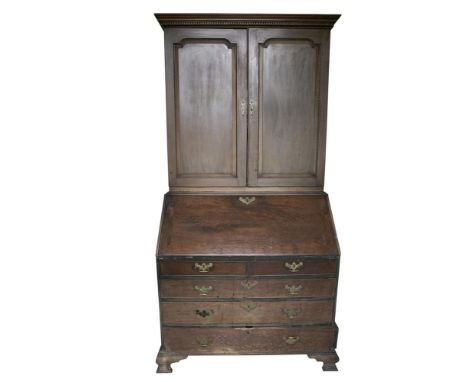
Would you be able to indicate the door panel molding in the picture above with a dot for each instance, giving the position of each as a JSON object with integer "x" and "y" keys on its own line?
{"x": 179, "y": 160}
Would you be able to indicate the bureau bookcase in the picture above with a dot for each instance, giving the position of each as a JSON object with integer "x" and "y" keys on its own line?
{"x": 247, "y": 255}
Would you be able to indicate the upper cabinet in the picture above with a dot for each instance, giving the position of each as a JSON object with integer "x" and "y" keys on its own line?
{"x": 246, "y": 106}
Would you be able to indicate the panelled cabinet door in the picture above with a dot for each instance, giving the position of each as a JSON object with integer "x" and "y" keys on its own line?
{"x": 206, "y": 77}
{"x": 288, "y": 79}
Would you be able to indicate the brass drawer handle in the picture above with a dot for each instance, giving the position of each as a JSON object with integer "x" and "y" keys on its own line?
{"x": 203, "y": 313}
{"x": 203, "y": 267}
{"x": 247, "y": 199}
{"x": 204, "y": 341}
{"x": 248, "y": 284}
{"x": 294, "y": 267}
{"x": 292, "y": 312}
{"x": 248, "y": 306}
{"x": 203, "y": 290}
{"x": 293, "y": 289}
{"x": 291, "y": 340}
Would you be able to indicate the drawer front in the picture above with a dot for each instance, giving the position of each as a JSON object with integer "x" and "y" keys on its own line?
{"x": 295, "y": 266}
{"x": 295, "y": 287}
{"x": 248, "y": 340}
{"x": 202, "y": 268}
{"x": 247, "y": 312}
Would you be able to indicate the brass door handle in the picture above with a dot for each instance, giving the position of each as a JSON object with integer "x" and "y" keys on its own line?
{"x": 204, "y": 341}
{"x": 203, "y": 267}
{"x": 292, "y": 312}
{"x": 293, "y": 289}
{"x": 251, "y": 107}
{"x": 248, "y": 306}
{"x": 291, "y": 340}
{"x": 294, "y": 267}
{"x": 203, "y": 290}
{"x": 203, "y": 313}
{"x": 248, "y": 284}
{"x": 242, "y": 107}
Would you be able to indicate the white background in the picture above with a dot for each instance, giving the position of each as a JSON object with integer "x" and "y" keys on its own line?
{"x": 83, "y": 172}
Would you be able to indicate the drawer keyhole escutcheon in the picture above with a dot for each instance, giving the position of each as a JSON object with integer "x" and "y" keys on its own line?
{"x": 248, "y": 284}
{"x": 247, "y": 330}
{"x": 291, "y": 340}
{"x": 294, "y": 267}
{"x": 292, "y": 312}
{"x": 203, "y": 290}
{"x": 203, "y": 313}
{"x": 247, "y": 199}
{"x": 204, "y": 341}
{"x": 293, "y": 289}
{"x": 248, "y": 306}
{"x": 203, "y": 267}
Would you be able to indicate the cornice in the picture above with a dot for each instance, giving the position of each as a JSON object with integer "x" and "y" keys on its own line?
{"x": 231, "y": 20}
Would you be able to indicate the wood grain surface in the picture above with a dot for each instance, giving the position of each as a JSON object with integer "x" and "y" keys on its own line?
{"x": 248, "y": 340}
{"x": 270, "y": 225}
{"x": 206, "y": 83}
{"x": 228, "y": 288}
{"x": 288, "y": 80}
{"x": 247, "y": 312}
{"x": 202, "y": 268}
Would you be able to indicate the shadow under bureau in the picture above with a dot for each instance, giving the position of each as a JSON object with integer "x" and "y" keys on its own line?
{"x": 247, "y": 254}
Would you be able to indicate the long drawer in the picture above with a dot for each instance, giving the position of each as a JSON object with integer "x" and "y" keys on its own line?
{"x": 229, "y": 288}
{"x": 247, "y": 312}
{"x": 244, "y": 340}
{"x": 294, "y": 266}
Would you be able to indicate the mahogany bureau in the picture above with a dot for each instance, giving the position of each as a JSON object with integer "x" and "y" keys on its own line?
{"x": 247, "y": 255}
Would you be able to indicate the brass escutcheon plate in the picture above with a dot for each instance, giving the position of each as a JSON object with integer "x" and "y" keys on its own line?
{"x": 247, "y": 199}
{"x": 248, "y": 306}
{"x": 248, "y": 284}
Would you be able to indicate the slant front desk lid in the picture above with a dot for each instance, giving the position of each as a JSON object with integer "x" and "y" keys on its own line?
{"x": 258, "y": 225}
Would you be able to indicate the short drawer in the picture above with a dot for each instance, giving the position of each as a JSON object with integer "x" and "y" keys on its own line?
{"x": 168, "y": 267}
{"x": 247, "y": 312}
{"x": 249, "y": 340}
{"x": 295, "y": 266}
{"x": 228, "y": 288}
